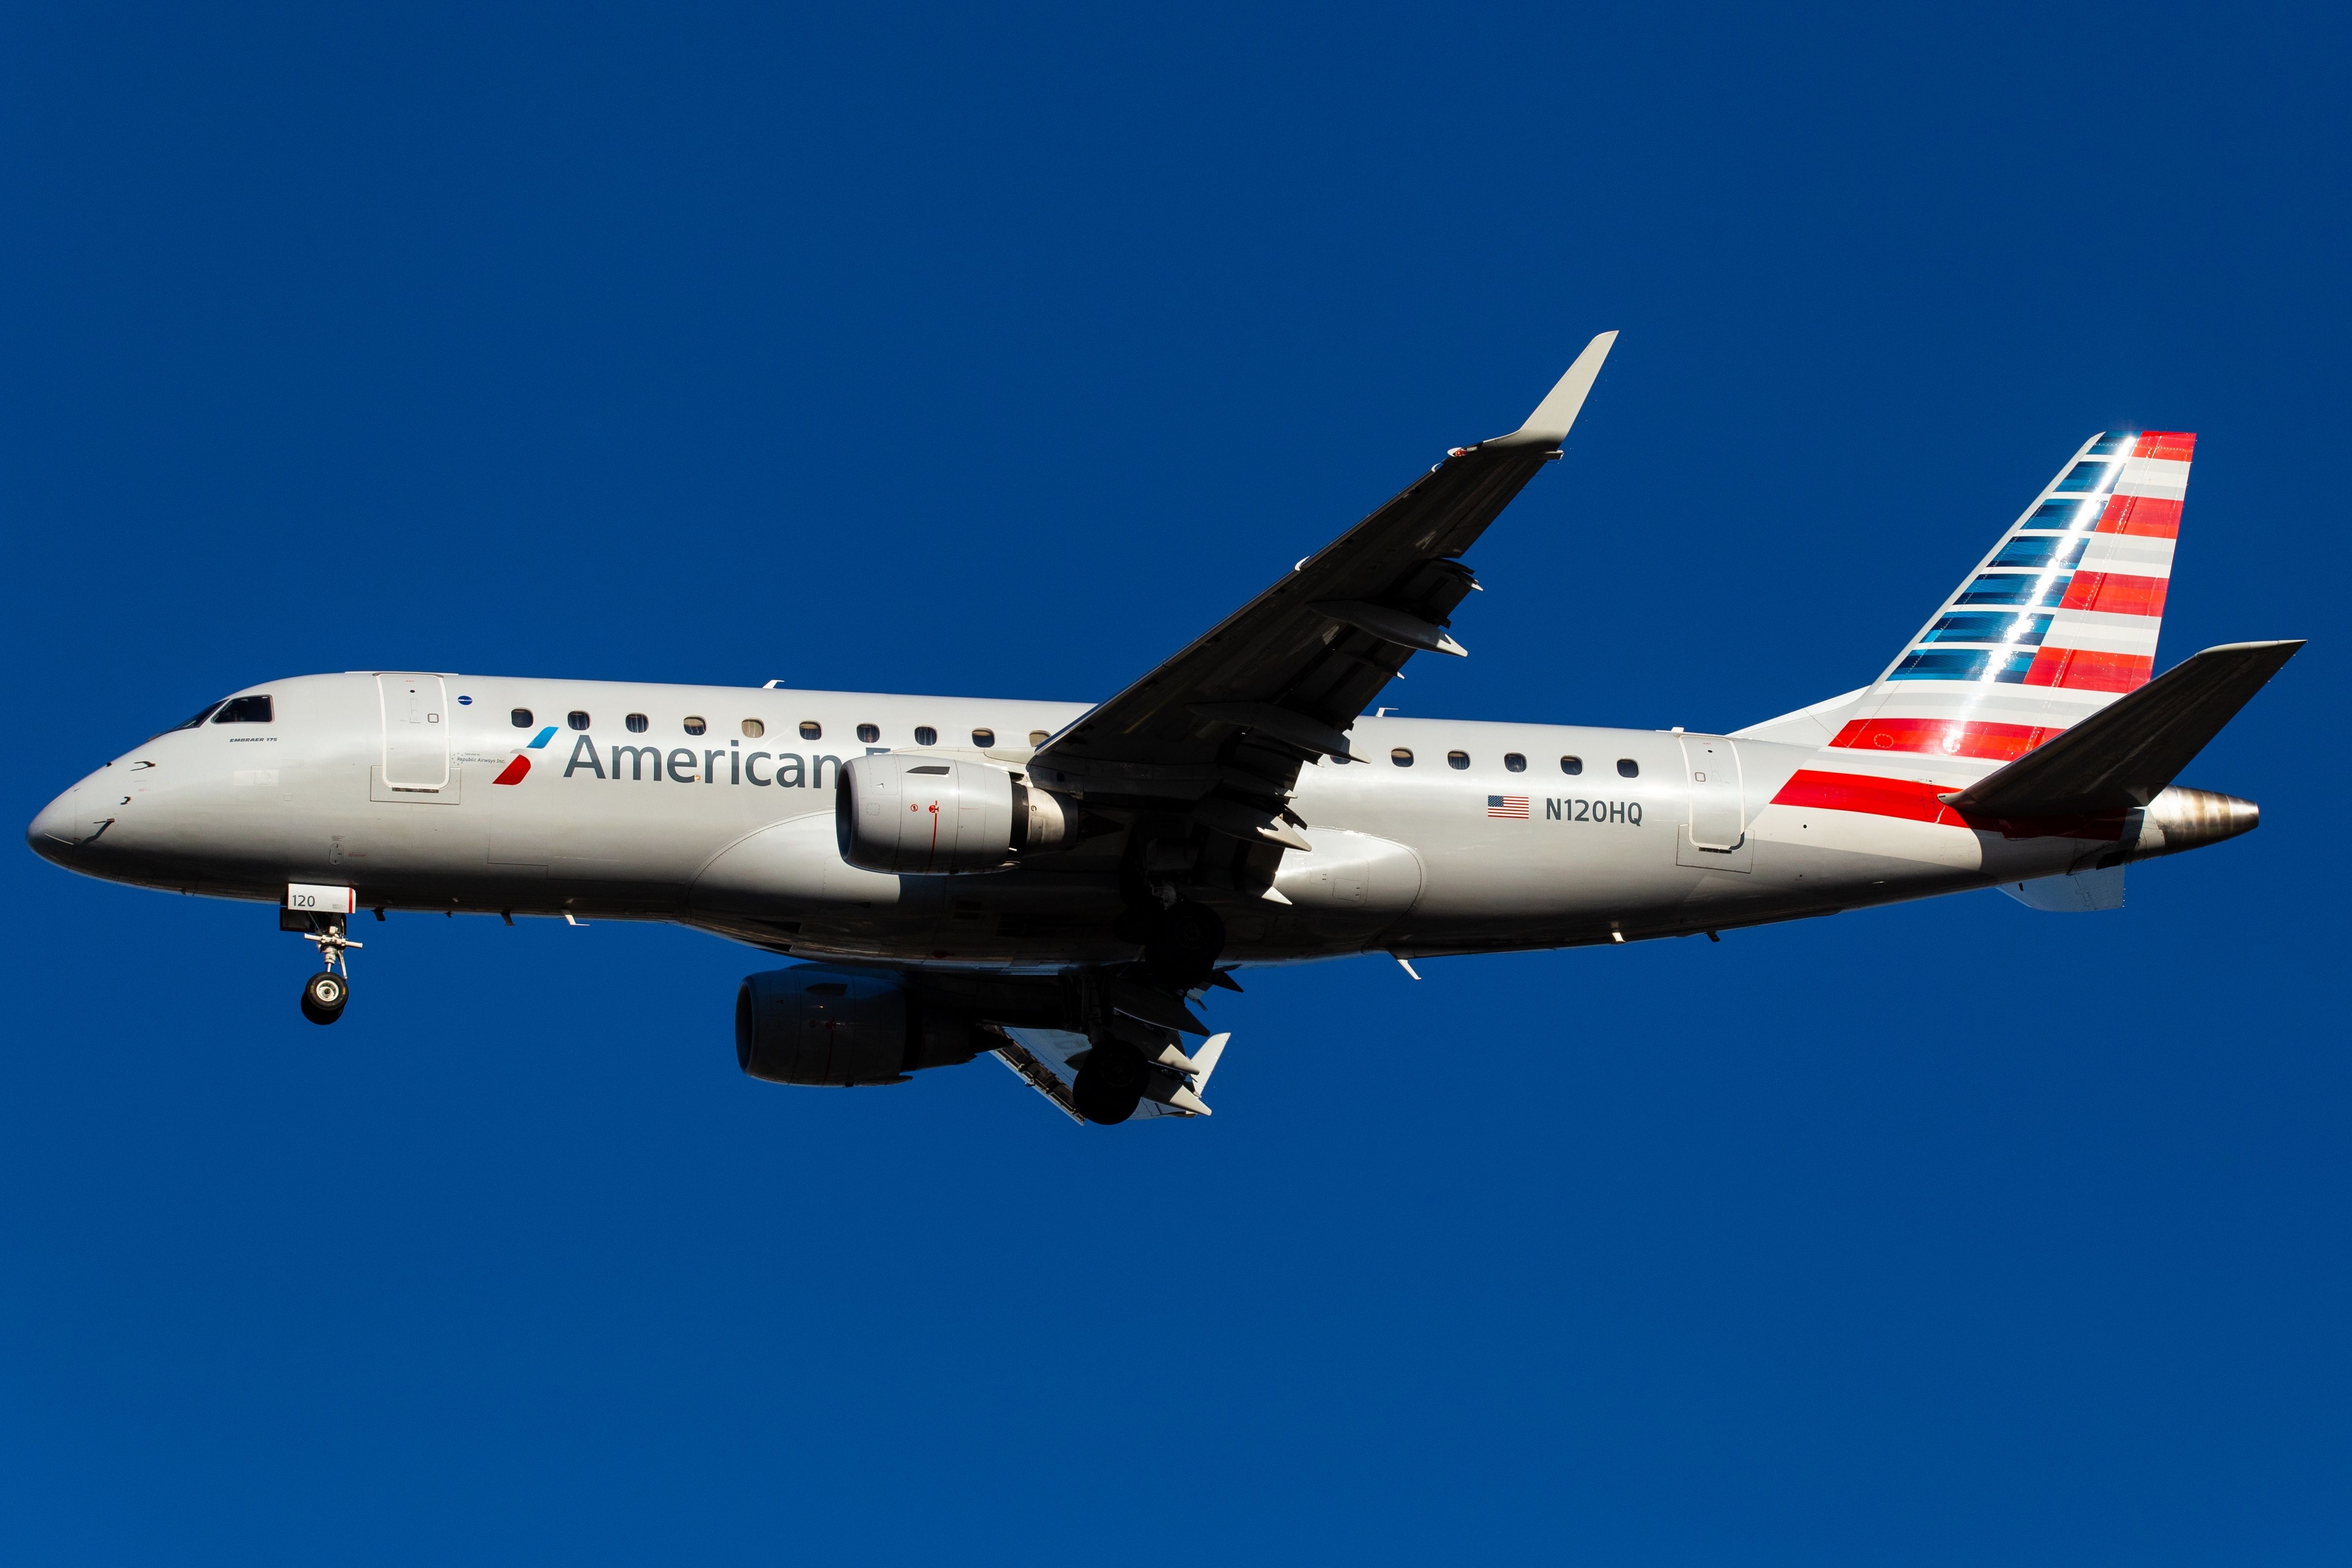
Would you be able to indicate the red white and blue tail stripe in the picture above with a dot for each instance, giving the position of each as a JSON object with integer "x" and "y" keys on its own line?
{"x": 2058, "y": 621}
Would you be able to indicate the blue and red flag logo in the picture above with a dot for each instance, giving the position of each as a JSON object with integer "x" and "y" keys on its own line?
{"x": 513, "y": 772}
{"x": 1513, "y": 807}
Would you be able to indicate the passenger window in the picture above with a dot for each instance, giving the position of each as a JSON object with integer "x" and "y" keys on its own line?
{"x": 753, "y": 730}
{"x": 201, "y": 714}
{"x": 984, "y": 738}
{"x": 1040, "y": 736}
{"x": 243, "y": 710}
{"x": 869, "y": 733}
{"x": 812, "y": 730}
{"x": 521, "y": 717}
{"x": 1514, "y": 762}
{"x": 1401, "y": 756}
{"x": 1629, "y": 768}
{"x": 637, "y": 723}
{"x": 695, "y": 726}
{"x": 576, "y": 719}
{"x": 1457, "y": 760}
{"x": 1572, "y": 765}
{"x": 926, "y": 735}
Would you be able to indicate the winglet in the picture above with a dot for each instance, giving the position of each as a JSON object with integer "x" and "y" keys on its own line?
{"x": 1553, "y": 417}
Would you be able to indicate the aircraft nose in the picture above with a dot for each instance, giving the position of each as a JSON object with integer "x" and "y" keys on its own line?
{"x": 52, "y": 834}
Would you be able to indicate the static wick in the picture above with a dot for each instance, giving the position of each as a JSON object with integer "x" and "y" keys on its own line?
{"x": 1405, "y": 965}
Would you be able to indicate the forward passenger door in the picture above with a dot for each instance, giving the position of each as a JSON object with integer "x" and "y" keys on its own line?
{"x": 416, "y": 732}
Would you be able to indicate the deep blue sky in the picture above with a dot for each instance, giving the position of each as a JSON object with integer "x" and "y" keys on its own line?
{"x": 950, "y": 352}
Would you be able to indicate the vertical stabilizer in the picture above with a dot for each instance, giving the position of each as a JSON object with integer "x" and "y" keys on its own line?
{"x": 2057, "y": 622}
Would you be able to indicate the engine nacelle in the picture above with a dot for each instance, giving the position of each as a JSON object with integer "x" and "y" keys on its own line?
{"x": 934, "y": 816}
{"x": 810, "y": 1024}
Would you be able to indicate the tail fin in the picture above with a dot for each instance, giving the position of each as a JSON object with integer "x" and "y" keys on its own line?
{"x": 2060, "y": 620}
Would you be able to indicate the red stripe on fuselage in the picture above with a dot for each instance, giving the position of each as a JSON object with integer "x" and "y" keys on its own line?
{"x": 1905, "y": 798}
{"x": 513, "y": 771}
{"x": 1912, "y": 800}
{"x": 1944, "y": 737}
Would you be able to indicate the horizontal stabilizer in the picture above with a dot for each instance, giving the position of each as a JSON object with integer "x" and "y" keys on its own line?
{"x": 2124, "y": 755}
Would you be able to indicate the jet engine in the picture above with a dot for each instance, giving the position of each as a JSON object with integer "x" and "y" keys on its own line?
{"x": 810, "y": 1024}
{"x": 893, "y": 811}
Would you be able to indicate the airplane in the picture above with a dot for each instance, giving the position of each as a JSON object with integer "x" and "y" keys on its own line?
{"x": 1066, "y": 886}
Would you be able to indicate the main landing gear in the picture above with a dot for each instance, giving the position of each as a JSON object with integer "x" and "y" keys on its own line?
{"x": 324, "y": 993}
{"x": 1181, "y": 942}
{"x": 1110, "y": 1083}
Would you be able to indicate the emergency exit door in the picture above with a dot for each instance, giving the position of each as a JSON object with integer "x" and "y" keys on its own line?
{"x": 1717, "y": 814}
{"x": 415, "y": 731}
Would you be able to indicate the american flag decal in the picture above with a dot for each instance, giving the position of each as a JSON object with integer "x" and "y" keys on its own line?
{"x": 1514, "y": 807}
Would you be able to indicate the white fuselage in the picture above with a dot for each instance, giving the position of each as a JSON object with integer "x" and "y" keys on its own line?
{"x": 732, "y": 829}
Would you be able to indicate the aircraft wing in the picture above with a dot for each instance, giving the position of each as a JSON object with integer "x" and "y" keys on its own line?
{"x": 1217, "y": 733}
{"x": 1046, "y": 1059}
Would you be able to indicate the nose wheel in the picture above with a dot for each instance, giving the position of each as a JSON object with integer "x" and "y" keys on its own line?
{"x": 324, "y": 993}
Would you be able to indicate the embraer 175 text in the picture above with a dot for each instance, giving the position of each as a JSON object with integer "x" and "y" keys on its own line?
{"x": 1064, "y": 885}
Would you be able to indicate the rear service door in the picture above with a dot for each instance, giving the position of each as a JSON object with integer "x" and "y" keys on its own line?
{"x": 415, "y": 731}
{"x": 1711, "y": 774}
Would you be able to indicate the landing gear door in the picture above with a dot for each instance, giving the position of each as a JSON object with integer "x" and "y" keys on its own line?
{"x": 415, "y": 731}
{"x": 1716, "y": 832}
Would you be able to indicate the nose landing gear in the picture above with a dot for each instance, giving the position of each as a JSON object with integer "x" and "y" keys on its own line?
{"x": 324, "y": 993}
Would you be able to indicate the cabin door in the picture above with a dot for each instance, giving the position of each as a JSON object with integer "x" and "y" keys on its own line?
{"x": 1711, "y": 775}
{"x": 415, "y": 731}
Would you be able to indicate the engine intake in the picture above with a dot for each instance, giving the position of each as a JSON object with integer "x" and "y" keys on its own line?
{"x": 931, "y": 816}
{"x": 815, "y": 1025}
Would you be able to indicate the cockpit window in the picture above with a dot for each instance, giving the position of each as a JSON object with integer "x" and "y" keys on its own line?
{"x": 244, "y": 710}
{"x": 201, "y": 714}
